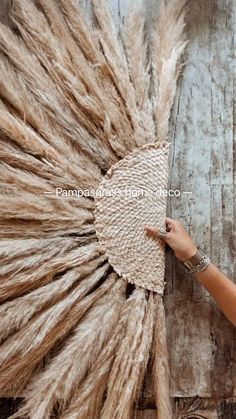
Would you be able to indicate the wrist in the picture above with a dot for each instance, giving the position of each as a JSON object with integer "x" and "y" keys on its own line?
{"x": 197, "y": 263}
{"x": 202, "y": 274}
{"x": 187, "y": 253}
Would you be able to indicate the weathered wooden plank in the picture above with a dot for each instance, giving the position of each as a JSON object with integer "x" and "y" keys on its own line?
{"x": 146, "y": 414}
{"x": 202, "y": 162}
{"x": 189, "y": 334}
{"x": 222, "y": 410}
{"x": 213, "y": 413}
{"x": 227, "y": 410}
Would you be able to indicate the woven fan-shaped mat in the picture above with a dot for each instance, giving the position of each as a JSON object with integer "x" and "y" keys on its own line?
{"x": 130, "y": 196}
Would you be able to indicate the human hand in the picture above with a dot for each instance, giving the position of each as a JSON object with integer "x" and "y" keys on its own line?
{"x": 176, "y": 237}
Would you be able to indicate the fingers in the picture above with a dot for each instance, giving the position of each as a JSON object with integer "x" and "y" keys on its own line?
{"x": 171, "y": 221}
{"x": 172, "y": 224}
{"x": 151, "y": 231}
{"x": 156, "y": 233}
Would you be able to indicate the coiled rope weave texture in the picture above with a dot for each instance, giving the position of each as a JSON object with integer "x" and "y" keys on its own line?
{"x": 129, "y": 197}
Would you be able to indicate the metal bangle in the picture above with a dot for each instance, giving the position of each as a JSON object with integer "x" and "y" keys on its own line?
{"x": 201, "y": 266}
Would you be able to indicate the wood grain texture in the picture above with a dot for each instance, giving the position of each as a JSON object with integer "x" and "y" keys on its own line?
{"x": 146, "y": 414}
{"x": 202, "y": 342}
{"x": 223, "y": 410}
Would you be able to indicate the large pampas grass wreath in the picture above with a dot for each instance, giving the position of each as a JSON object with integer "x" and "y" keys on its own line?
{"x": 84, "y": 108}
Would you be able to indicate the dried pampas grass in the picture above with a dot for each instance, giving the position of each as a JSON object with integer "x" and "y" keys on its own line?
{"x": 136, "y": 48}
{"x": 127, "y": 373}
{"x": 34, "y": 341}
{"x": 76, "y": 96}
{"x": 66, "y": 371}
{"x": 28, "y": 279}
{"x": 168, "y": 43}
{"x": 16, "y": 313}
{"x": 88, "y": 398}
{"x": 161, "y": 373}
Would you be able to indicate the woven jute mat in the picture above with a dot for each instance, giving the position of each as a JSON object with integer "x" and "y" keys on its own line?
{"x": 130, "y": 196}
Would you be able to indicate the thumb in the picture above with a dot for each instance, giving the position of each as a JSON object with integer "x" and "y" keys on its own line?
{"x": 156, "y": 233}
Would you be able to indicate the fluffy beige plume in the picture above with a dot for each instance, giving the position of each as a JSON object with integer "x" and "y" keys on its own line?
{"x": 168, "y": 43}
{"x": 116, "y": 59}
{"x": 28, "y": 279}
{"x": 22, "y": 185}
{"x": 50, "y": 97}
{"x": 15, "y": 159}
{"x": 88, "y": 399}
{"x": 136, "y": 48}
{"x": 16, "y": 94}
{"x": 24, "y": 135}
{"x": 31, "y": 142}
{"x": 41, "y": 208}
{"x": 127, "y": 373}
{"x": 15, "y": 228}
{"x": 29, "y": 187}
{"x": 46, "y": 47}
{"x": 93, "y": 78}
{"x": 87, "y": 41}
{"x": 161, "y": 372}
{"x": 16, "y": 313}
{"x": 21, "y": 353}
{"x": 76, "y": 79}
{"x": 17, "y": 255}
{"x": 13, "y": 251}
{"x": 66, "y": 371}
{"x": 81, "y": 31}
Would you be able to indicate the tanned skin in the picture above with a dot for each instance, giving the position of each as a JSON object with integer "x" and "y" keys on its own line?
{"x": 222, "y": 289}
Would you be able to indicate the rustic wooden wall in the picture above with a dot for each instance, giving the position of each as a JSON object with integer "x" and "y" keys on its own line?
{"x": 202, "y": 343}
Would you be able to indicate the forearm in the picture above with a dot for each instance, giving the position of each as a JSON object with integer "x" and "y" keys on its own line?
{"x": 219, "y": 286}
{"x": 222, "y": 289}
